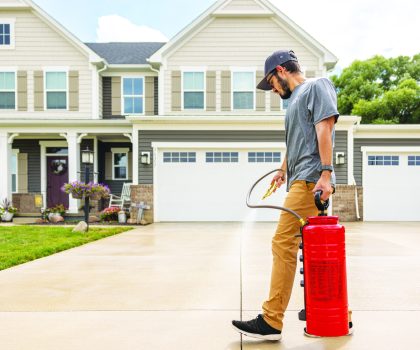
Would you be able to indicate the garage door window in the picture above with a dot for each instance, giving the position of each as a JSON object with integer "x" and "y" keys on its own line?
{"x": 414, "y": 160}
{"x": 264, "y": 157}
{"x": 222, "y": 157}
{"x": 384, "y": 160}
{"x": 179, "y": 157}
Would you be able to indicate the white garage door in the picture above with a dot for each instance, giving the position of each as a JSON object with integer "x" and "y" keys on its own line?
{"x": 391, "y": 190}
{"x": 209, "y": 182}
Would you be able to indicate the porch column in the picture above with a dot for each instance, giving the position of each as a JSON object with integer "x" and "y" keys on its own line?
{"x": 74, "y": 166}
{"x": 134, "y": 139}
{"x": 5, "y": 175}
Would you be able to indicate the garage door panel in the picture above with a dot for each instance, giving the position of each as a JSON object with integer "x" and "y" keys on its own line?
{"x": 390, "y": 191}
{"x": 203, "y": 191}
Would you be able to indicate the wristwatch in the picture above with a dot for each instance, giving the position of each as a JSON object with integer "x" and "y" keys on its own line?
{"x": 326, "y": 168}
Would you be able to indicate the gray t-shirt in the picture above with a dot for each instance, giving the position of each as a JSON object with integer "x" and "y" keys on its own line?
{"x": 311, "y": 102}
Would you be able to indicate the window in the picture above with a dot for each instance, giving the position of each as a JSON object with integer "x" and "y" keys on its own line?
{"x": 193, "y": 87}
{"x": 243, "y": 90}
{"x": 120, "y": 165}
{"x": 384, "y": 160}
{"x": 6, "y": 33}
{"x": 413, "y": 160}
{"x": 222, "y": 157}
{"x": 133, "y": 95}
{"x": 14, "y": 170}
{"x": 264, "y": 157}
{"x": 7, "y": 90}
{"x": 56, "y": 90}
{"x": 179, "y": 157}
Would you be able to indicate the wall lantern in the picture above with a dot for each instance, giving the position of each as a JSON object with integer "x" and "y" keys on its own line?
{"x": 145, "y": 158}
{"x": 87, "y": 156}
{"x": 339, "y": 158}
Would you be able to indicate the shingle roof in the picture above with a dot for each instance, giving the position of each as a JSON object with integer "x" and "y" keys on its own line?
{"x": 125, "y": 53}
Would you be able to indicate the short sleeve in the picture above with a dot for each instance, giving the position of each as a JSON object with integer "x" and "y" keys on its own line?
{"x": 322, "y": 101}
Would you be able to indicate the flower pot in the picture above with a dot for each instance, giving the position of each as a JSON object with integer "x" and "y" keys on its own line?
{"x": 51, "y": 215}
{"x": 122, "y": 217}
{"x": 6, "y": 216}
{"x": 77, "y": 195}
{"x": 95, "y": 196}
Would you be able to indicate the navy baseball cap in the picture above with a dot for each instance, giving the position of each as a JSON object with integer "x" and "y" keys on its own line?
{"x": 275, "y": 59}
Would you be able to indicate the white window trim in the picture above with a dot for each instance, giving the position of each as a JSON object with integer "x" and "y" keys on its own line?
{"x": 10, "y": 21}
{"x": 119, "y": 150}
{"x": 11, "y": 70}
{"x": 194, "y": 70}
{"x": 142, "y": 96}
{"x": 15, "y": 152}
{"x": 252, "y": 70}
{"x": 56, "y": 70}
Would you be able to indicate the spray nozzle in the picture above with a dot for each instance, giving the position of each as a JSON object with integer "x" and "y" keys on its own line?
{"x": 271, "y": 190}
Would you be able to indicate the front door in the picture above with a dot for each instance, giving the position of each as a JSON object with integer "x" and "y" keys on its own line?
{"x": 57, "y": 175}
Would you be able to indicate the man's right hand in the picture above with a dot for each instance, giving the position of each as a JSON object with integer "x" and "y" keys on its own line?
{"x": 279, "y": 178}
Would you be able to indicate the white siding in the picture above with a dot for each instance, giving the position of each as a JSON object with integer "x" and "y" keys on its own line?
{"x": 233, "y": 42}
{"x": 37, "y": 46}
{"x": 242, "y": 5}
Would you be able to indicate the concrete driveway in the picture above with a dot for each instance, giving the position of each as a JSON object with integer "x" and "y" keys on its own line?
{"x": 178, "y": 286}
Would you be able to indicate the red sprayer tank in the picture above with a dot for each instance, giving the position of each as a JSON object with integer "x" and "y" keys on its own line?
{"x": 325, "y": 281}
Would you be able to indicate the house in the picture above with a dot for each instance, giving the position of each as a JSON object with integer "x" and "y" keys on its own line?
{"x": 181, "y": 121}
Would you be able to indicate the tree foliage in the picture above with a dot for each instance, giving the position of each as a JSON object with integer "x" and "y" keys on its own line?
{"x": 381, "y": 90}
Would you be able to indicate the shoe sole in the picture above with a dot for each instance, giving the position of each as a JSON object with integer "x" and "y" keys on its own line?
{"x": 272, "y": 337}
{"x": 318, "y": 336}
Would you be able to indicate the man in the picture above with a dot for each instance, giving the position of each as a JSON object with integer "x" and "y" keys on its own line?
{"x": 310, "y": 118}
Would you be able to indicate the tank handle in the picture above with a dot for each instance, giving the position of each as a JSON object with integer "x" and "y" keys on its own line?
{"x": 321, "y": 205}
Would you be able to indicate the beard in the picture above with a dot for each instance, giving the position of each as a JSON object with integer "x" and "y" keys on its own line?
{"x": 285, "y": 87}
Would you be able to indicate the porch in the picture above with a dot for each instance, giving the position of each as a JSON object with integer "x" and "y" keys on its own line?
{"x": 35, "y": 165}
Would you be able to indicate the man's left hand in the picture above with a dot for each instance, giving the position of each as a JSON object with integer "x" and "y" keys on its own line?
{"x": 324, "y": 185}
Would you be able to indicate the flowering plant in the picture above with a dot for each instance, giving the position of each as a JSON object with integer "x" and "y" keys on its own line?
{"x": 80, "y": 189}
{"x": 7, "y": 206}
{"x": 109, "y": 214}
{"x": 59, "y": 209}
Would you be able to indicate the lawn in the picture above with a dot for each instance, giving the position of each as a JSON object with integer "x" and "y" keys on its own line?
{"x": 19, "y": 244}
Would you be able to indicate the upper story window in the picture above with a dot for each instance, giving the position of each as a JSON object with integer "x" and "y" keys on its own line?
{"x": 56, "y": 90}
{"x": 7, "y": 90}
{"x": 133, "y": 95}
{"x": 243, "y": 90}
{"x": 7, "y": 40}
{"x": 193, "y": 90}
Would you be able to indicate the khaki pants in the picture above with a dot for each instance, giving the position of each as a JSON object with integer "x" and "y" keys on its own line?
{"x": 285, "y": 247}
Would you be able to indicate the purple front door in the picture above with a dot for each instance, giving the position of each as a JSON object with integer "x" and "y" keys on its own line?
{"x": 57, "y": 175}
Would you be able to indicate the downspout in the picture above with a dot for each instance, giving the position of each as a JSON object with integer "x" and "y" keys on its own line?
{"x": 356, "y": 198}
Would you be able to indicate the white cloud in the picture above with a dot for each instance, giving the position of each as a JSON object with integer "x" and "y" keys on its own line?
{"x": 115, "y": 28}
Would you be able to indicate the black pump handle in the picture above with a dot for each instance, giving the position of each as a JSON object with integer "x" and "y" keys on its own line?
{"x": 322, "y": 206}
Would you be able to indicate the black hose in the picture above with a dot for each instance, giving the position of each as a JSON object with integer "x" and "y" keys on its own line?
{"x": 301, "y": 220}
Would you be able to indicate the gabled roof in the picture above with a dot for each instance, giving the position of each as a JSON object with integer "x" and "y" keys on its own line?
{"x": 125, "y": 53}
{"x": 262, "y": 8}
{"x": 16, "y": 4}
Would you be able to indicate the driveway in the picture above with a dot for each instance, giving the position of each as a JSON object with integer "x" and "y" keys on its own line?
{"x": 178, "y": 286}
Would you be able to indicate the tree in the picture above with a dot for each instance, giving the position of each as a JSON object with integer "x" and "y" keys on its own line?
{"x": 381, "y": 90}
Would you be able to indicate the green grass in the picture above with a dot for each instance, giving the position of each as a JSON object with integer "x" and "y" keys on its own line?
{"x": 19, "y": 244}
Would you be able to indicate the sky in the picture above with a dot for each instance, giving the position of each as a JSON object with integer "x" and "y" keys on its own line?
{"x": 352, "y": 29}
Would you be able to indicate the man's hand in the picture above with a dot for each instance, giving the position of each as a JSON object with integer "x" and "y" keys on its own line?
{"x": 279, "y": 179}
{"x": 324, "y": 185}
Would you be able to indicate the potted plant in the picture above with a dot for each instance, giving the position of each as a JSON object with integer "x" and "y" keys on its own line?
{"x": 98, "y": 191}
{"x": 109, "y": 214}
{"x": 58, "y": 210}
{"x": 7, "y": 210}
{"x": 77, "y": 189}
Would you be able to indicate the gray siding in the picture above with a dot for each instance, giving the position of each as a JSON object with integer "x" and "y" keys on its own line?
{"x": 358, "y": 156}
{"x": 341, "y": 146}
{"x": 32, "y": 148}
{"x": 147, "y": 137}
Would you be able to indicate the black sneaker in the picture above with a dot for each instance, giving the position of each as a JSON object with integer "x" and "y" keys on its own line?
{"x": 257, "y": 328}
{"x": 315, "y": 336}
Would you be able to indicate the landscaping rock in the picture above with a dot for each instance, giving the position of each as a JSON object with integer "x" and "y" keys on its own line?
{"x": 56, "y": 219}
{"x": 80, "y": 227}
{"x": 131, "y": 221}
{"x": 143, "y": 222}
{"x": 40, "y": 221}
{"x": 93, "y": 218}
